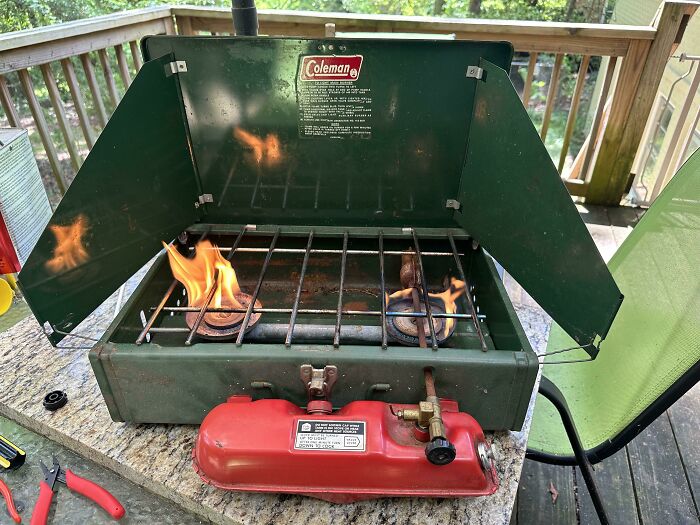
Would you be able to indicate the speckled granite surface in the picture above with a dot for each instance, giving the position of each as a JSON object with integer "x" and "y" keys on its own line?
{"x": 158, "y": 456}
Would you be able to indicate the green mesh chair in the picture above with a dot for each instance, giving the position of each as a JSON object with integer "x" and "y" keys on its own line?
{"x": 587, "y": 411}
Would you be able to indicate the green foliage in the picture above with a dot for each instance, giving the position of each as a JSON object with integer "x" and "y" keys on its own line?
{"x": 26, "y": 14}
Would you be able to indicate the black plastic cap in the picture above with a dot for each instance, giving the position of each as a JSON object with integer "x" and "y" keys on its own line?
{"x": 55, "y": 400}
{"x": 440, "y": 452}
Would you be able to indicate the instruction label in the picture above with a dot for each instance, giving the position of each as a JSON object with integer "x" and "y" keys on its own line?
{"x": 332, "y": 103}
{"x": 343, "y": 436}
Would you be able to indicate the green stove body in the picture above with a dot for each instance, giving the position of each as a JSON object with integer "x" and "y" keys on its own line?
{"x": 317, "y": 167}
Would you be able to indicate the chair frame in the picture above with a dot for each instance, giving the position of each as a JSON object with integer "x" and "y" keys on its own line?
{"x": 585, "y": 459}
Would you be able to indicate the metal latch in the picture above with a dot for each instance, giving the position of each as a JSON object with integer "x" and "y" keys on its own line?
{"x": 204, "y": 199}
{"x": 475, "y": 72}
{"x": 318, "y": 381}
{"x": 177, "y": 66}
{"x": 453, "y": 203}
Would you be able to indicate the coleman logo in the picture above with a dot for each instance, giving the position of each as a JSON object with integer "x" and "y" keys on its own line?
{"x": 333, "y": 68}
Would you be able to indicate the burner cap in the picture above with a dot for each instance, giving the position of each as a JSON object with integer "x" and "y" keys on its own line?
{"x": 222, "y": 325}
{"x": 405, "y": 330}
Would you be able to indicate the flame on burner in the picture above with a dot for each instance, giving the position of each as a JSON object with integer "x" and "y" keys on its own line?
{"x": 448, "y": 298}
{"x": 70, "y": 250}
{"x": 266, "y": 151}
{"x": 197, "y": 275}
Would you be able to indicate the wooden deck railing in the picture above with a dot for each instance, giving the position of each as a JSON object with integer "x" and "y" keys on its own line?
{"x": 635, "y": 58}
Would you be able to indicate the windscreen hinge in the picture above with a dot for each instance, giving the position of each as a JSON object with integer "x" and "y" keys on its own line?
{"x": 475, "y": 72}
{"x": 453, "y": 203}
{"x": 204, "y": 199}
{"x": 175, "y": 67}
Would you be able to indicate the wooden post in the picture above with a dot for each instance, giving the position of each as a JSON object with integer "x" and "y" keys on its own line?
{"x": 635, "y": 90}
{"x": 551, "y": 95}
{"x": 78, "y": 102}
{"x": 527, "y": 90}
{"x": 184, "y": 25}
{"x": 602, "y": 110}
{"x": 123, "y": 66}
{"x": 86, "y": 61}
{"x": 575, "y": 101}
{"x": 136, "y": 55}
{"x": 60, "y": 113}
{"x": 109, "y": 76}
{"x": 42, "y": 127}
{"x": 7, "y": 105}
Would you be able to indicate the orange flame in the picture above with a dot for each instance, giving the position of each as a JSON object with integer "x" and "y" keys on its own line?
{"x": 70, "y": 251}
{"x": 448, "y": 298}
{"x": 197, "y": 275}
{"x": 265, "y": 151}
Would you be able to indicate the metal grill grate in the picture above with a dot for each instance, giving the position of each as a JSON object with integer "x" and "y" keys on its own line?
{"x": 339, "y": 312}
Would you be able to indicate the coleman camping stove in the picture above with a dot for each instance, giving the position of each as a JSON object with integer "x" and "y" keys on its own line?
{"x": 326, "y": 206}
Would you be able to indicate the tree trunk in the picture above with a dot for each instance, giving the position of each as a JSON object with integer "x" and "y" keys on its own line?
{"x": 475, "y": 7}
{"x": 570, "y": 10}
{"x": 438, "y": 7}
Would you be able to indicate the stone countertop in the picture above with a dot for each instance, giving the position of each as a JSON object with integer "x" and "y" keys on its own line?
{"x": 158, "y": 457}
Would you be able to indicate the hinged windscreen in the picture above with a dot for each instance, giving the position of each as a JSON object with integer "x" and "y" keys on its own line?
{"x": 328, "y": 132}
{"x": 136, "y": 188}
{"x": 514, "y": 202}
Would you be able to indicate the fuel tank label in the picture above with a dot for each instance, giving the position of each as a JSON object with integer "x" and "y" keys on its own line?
{"x": 343, "y": 436}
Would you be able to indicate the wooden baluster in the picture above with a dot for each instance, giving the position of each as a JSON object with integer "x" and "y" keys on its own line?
{"x": 527, "y": 90}
{"x": 599, "y": 113}
{"x": 78, "y": 102}
{"x": 184, "y": 25}
{"x": 60, "y": 113}
{"x": 575, "y": 101}
{"x": 7, "y": 105}
{"x": 551, "y": 95}
{"x": 42, "y": 127}
{"x": 109, "y": 76}
{"x": 635, "y": 90}
{"x": 136, "y": 55}
{"x": 123, "y": 66}
{"x": 94, "y": 88}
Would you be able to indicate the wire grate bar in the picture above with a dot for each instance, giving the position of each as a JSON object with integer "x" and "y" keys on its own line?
{"x": 233, "y": 249}
{"x": 317, "y": 251}
{"x": 468, "y": 294}
{"x": 203, "y": 309}
{"x": 263, "y": 270}
{"x": 343, "y": 262}
{"x": 424, "y": 289}
{"x": 156, "y": 312}
{"x": 313, "y": 311}
{"x": 382, "y": 284}
{"x": 295, "y": 307}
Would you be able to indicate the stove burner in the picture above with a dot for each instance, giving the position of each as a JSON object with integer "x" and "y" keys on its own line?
{"x": 220, "y": 325}
{"x": 404, "y": 329}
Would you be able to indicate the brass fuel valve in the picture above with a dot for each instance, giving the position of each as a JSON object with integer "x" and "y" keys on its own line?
{"x": 439, "y": 450}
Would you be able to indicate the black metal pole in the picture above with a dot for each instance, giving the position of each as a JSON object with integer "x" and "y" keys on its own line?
{"x": 245, "y": 17}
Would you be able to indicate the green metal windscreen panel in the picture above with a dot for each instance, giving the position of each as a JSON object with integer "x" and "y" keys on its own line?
{"x": 274, "y": 145}
{"x": 136, "y": 187}
{"x": 514, "y": 202}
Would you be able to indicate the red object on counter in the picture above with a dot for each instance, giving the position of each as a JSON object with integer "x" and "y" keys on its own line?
{"x": 361, "y": 451}
{"x": 9, "y": 263}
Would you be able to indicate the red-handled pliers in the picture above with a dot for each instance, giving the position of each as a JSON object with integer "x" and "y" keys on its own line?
{"x": 75, "y": 483}
{"x": 7, "y": 494}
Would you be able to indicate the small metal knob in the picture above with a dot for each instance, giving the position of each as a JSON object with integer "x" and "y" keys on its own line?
{"x": 440, "y": 451}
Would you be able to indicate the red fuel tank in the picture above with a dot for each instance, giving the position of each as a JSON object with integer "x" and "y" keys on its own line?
{"x": 361, "y": 451}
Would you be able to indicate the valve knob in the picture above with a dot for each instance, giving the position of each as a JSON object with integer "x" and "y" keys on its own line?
{"x": 440, "y": 451}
